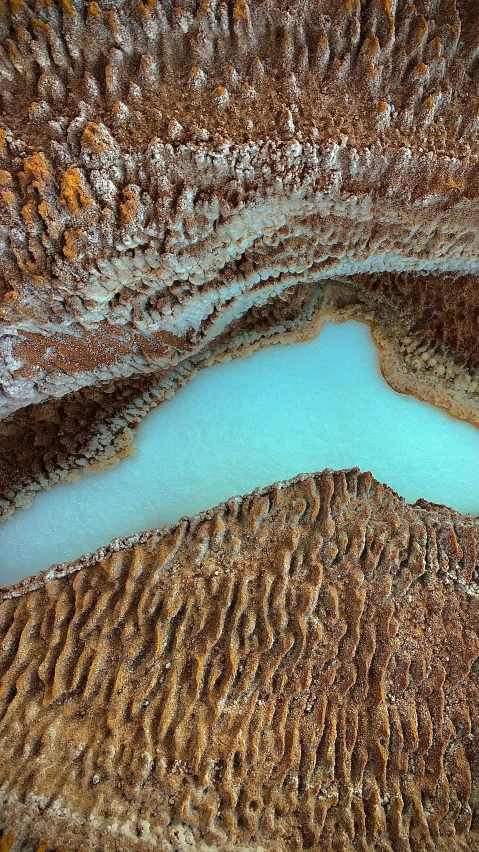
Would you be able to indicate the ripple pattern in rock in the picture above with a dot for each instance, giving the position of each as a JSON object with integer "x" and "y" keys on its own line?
{"x": 295, "y": 669}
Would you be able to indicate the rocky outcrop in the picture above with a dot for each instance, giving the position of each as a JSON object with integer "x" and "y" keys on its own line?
{"x": 167, "y": 173}
{"x": 294, "y": 669}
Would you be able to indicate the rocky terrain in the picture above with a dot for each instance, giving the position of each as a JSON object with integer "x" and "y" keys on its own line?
{"x": 295, "y": 669}
{"x": 176, "y": 181}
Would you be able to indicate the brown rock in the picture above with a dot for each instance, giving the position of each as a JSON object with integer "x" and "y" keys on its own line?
{"x": 295, "y": 669}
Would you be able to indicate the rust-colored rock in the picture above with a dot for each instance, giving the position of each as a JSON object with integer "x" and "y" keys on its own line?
{"x": 295, "y": 669}
{"x": 165, "y": 171}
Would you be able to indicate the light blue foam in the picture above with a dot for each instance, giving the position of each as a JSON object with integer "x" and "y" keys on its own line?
{"x": 247, "y": 423}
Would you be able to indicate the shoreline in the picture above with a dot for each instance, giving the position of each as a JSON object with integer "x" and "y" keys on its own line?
{"x": 402, "y": 368}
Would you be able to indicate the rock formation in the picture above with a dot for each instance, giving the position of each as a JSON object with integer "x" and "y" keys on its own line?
{"x": 294, "y": 669}
{"x": 179, "y": 184}
{"x": 177, "y": 181}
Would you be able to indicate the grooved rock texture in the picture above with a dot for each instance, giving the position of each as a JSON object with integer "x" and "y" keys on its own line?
{"x": 295, "y": 669}
{"x": 168, "y": 171}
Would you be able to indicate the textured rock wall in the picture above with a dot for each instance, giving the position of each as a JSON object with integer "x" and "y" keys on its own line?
{"x": 165, "y": 169}
{"x": 169, "y": 173}
{"x": 296, "y": 669}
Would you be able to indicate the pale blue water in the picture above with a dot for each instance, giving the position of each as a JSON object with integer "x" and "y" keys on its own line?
{"x": 247, "y": 423}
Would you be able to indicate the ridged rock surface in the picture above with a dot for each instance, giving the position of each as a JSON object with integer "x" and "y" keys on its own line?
{"x": 167, "y": 173}
{"x": 295, "y": 669}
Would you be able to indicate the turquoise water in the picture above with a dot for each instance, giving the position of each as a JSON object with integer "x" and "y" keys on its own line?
{"x": 246, "y": 423}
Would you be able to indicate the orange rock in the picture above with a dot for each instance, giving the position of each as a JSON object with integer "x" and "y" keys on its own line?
{"x": 35, "y": 171}
{"x": 6, "y": 842}
{"x": 129, "y": 207}
{"x": 71, "y": 245}
{"x": 91, "y": 138}
{"x": 73, "y": 195}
